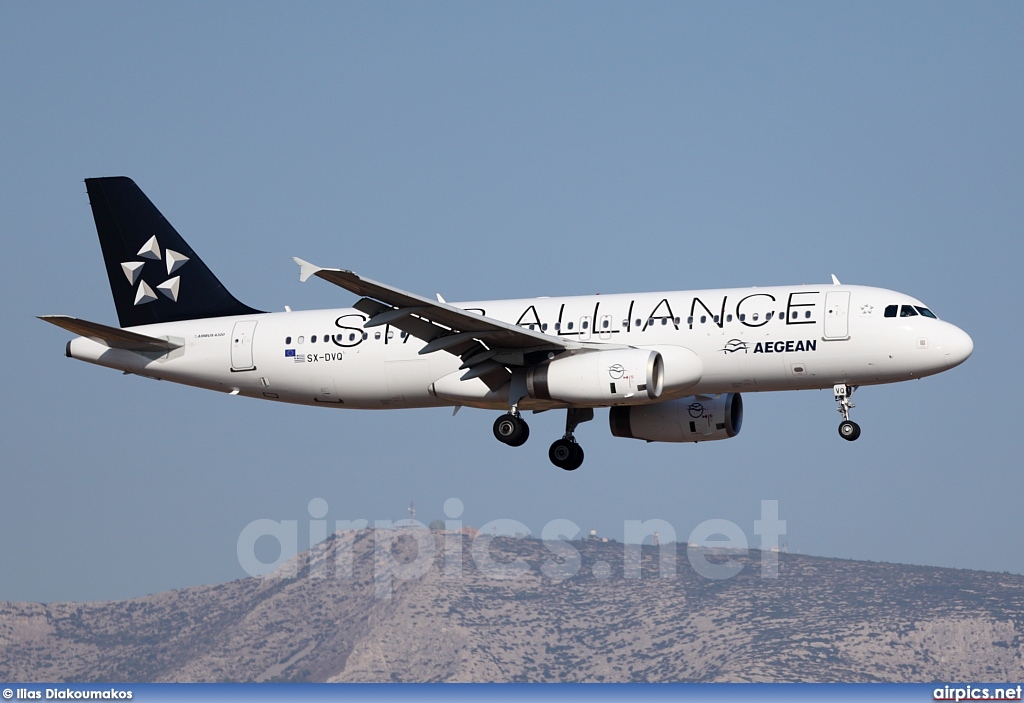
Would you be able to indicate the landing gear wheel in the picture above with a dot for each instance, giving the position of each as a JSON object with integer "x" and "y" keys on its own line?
{"x": 849, "y": 430}
{"x": 511, "y": 430}
{"x": 566, "y": 454}
{"x": 578, "y": 460}
{"x": 523, "y": 436}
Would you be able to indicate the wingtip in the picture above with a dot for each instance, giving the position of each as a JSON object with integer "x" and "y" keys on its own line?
{"x": 306, "y": 269}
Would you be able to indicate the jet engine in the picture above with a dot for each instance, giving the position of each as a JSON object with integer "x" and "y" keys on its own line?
{"x": 692, "y": 419}
{"x": 599, "y": 377}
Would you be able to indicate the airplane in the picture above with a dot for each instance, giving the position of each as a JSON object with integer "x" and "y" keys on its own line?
{"x": 670, "y": 366}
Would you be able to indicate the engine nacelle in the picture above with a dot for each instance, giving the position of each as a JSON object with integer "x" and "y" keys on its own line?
{"x": 616, "y": 376}
{"x": 692, "y": 419}
{"x": 683, "y": 369}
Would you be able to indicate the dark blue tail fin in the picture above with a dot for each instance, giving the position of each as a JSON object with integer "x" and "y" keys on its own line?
{"x": 154, "y": 275}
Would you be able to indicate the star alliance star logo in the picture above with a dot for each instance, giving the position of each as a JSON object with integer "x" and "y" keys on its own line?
{"x": 133, "y": 272}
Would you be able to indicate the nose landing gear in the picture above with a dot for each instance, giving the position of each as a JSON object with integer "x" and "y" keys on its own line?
{"x": 848, "y": 429}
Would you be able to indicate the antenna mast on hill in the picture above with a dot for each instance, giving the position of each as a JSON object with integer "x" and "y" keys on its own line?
{"x": 412, "y": 511}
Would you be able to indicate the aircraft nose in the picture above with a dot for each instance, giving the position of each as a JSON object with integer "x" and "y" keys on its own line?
{"x": 958, "y": 346}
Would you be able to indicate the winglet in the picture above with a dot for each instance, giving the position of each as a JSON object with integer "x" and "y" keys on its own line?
{"x": 306, "y": 269}
{"x": 835, "y": 281}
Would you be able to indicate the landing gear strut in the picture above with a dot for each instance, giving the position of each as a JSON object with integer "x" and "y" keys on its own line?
{"x": 511, "y": 429}
{"x": 565, "y": 453}
{"x": 848, "y": 429}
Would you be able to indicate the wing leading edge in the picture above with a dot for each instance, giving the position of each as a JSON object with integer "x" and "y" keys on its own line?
{"x": 486, "y": 345}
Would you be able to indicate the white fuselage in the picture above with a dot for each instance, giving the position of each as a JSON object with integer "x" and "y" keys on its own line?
{"x": 747, "y": 339}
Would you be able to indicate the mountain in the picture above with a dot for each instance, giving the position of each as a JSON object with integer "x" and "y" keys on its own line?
{"x": 820, "y": 620}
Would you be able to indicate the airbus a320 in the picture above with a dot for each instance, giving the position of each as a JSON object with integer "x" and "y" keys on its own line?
{"x": 670, "y": 366}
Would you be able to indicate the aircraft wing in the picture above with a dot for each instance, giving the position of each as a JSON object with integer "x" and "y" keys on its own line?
{"x": 484, "y": 343}
{"x": 113, "y": 337}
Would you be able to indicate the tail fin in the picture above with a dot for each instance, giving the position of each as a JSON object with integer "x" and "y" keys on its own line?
{"x": 154, "y": 275}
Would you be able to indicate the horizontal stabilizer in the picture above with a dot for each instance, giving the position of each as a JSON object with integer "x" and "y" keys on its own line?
{"x": 113, "y": 337}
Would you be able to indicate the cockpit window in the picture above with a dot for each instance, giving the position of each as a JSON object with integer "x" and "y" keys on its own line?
{"x": 926, "y": 312}
{"x": 908, "y": 311}
{"x": 890, "y": 310}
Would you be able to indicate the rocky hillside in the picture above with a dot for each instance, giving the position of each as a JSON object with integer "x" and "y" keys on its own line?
{"x": 820, "y": 620}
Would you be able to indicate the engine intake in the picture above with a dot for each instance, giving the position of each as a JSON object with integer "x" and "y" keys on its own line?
{"x": 691, "y": 419}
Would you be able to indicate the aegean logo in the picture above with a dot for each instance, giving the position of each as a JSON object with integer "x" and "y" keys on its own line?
{"x": 133, "y": 272}
{"x": 616, "y": 371}
{"x": 735, "y": 345}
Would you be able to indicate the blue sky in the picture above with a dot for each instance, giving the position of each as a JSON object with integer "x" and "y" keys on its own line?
{"x": 488, "y": 150}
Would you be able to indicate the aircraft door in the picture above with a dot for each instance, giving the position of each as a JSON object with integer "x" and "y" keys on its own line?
{"x": 585, "y": 330}
{"x": 241, "y": 345}
{"x": 837, "y": 318}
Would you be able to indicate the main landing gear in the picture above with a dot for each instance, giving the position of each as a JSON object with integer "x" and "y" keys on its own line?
{"x": 511, "y": 429}
{"x": 848, "y": 429}
{"x": 564, "y": 453}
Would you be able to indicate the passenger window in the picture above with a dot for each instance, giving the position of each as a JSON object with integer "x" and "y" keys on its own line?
{"x": 544, "y": 327}
{"x": 664, "y": 321}
{"x": 404, "y": 335}
{"x": 926, "y": 312}
{"x": 312, "y": 340}
{"x": 365, "y": 336}
{"x": 703, "y": 319}
{"x": 689, "y": 320}
{"x": 558, "y": 326}
{"x": 807, "y": 313}
{"x": 376, "y": 335}
{"x": 908, "y": 311}
{"x": 716, "y": 319}
{"x": 728, "y": 318}
{"x": 605, "y": 323}
{"x": 287, "y": 340}
{"x": 569, "y": 326}
{"x": 625, "y": 324}
{"x": 769, "y": 316}
{"x": 676, "y": 320}
{"x": 743, "y": 316}
{"x": 586, "y": 324}
{"x": 793, "y": 316}
{"x": 890, "y": 310}
{"x": 638, "y": 323}
{"x": 301, "y": 339}
{"x": 352, "y": 336}
{"x": 755, "y": 317}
